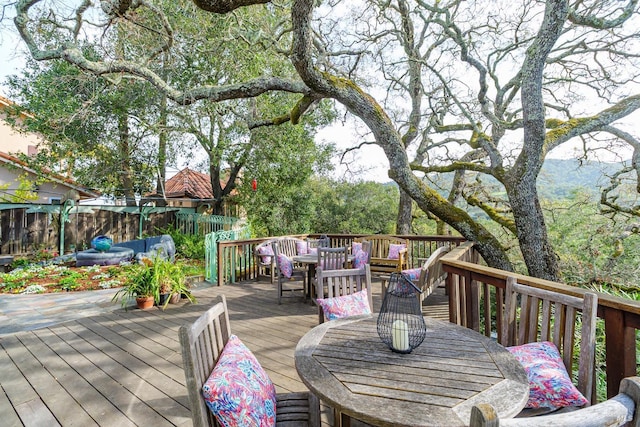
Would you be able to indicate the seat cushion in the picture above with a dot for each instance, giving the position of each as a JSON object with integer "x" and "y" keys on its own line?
{"x": 394, "y": 250}
{"x": 239, "y": 392}
{"x": 345, "y": 306}
{"x": 549, "y": 384}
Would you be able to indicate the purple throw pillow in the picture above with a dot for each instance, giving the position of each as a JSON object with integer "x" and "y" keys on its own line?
{"x": 360, "y": 259}
{"x": 266, "y": 252}
{"x": 285, "y": 265}
{"x": 394, "y": 250}
{"x": 302, "y": 248}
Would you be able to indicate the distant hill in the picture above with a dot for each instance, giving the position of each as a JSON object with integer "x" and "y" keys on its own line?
{"x": 560, "y": 177}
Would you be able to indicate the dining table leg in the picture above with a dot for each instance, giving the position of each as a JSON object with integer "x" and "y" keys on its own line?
{"x": 311, "y": 274}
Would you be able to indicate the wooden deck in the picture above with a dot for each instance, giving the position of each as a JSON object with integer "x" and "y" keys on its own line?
{"x": 124, "y": 368}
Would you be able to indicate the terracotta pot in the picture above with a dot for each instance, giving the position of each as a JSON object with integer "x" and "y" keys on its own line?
{"x": 175, "y": 298}
{"x": 144, "y": 302}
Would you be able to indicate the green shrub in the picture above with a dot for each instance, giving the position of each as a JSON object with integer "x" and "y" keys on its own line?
{"x": 187, "y": 245}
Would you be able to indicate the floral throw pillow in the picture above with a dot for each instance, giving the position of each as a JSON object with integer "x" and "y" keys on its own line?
{"x": 239, "y": 392}
{"x": 549, "y": 384}
{"x": 313, "y": 251}
{"x": 302, "y": 248}
{"x": 345, "y": 306}
{"x": 360, "y": 259}
{"x": 356, "y": 247}
{"x": 413, "y": 274}
{"x": 285, "y": 265}
{"x": 394, "y": 250}
{"x": 267, "y": 253}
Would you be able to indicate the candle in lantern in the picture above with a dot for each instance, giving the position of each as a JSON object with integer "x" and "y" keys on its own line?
{"x": 400, "y": 335}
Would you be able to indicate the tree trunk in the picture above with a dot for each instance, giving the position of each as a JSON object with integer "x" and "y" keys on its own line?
{"x": 520, "y": 181}
{"x": 126, "y": 182}
{"x": 539, "y": 256}
{"x": 214, "y": 173}
{"x": 366, "y": 108}
{"x": 405, "y": 204}
{"x": 162, "y": 147}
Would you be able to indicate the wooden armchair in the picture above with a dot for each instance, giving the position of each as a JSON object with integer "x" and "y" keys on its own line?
{"x": 332, "y": 258}
{"x": 621, "y": 410}
{"x": 342, "y": 282}
{"x": 291, "y": 278}
{"x": 264, "y": 260}
{"x": 380, "y": 247}
{"x": 551, "y": 316}
{"x": 202, "y": 343}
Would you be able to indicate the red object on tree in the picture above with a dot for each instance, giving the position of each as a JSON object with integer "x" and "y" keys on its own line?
{"x": 254, "y": 184}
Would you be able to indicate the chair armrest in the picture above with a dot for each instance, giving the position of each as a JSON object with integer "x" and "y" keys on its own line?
{"x": 617, "y": 411}
{"x": 403, "y": 262}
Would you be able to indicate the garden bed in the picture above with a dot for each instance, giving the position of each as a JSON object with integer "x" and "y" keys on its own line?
{"x": 35, "y": 279}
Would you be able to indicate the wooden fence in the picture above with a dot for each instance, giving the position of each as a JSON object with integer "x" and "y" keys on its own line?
{"x": 29, "y": 228}
{"x": 476, "y": 295}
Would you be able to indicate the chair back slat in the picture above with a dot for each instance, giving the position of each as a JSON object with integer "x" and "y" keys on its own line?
{"x": 550, "y": 316}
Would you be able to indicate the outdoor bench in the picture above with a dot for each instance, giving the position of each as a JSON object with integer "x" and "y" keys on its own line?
{"x": 382, "y": 246}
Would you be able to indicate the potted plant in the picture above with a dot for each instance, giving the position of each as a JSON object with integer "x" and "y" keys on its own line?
{"x": 172, "y": 284}
{"x": 140, "y": 284}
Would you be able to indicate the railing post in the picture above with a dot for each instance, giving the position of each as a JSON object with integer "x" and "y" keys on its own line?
{"x": 620, "y": 348}
{"x": 220, "y": 265}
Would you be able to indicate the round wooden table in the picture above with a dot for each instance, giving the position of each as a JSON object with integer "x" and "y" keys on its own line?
{"x": 346, "y": 365}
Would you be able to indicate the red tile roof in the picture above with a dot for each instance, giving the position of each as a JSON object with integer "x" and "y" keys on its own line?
{"x": 189, "y": 184}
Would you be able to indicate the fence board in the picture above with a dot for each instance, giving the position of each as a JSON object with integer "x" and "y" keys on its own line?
{"x": 24, "y": 230}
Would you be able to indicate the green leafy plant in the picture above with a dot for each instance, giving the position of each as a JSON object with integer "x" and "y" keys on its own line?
{"x": 152, "y": 278}
{"x": 20, "y": 262}
{"x": 187, "y": 245}
{"x": 140, "y": 282}
{"x": 69, "y": 283}
{"x": 171, "y": 280}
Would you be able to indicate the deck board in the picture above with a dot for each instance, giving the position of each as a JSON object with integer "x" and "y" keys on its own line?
{"x": 124, "y": 368}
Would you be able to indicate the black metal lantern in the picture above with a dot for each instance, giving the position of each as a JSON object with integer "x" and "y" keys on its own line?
{"x": 400, "y": 323}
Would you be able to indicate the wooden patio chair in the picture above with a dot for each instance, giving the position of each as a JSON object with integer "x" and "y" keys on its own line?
{"x": 202, "y": 343}
{"x": 332, "y": 258}
{"x": 550, "y": 316}
{"x": 342, "y": 282}
{"x": 621, "y": 410}
{"x": 291, "y": 278}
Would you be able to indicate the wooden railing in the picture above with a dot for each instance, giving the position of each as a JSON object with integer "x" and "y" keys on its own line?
{"x": 236, "y": 262}
{"x": 476, "y": 291}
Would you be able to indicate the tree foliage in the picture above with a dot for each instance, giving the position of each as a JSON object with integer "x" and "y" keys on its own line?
{"x": 492, "y": 88}
{"x": 82, "y": 118}
{"x": 354, "y": 208}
